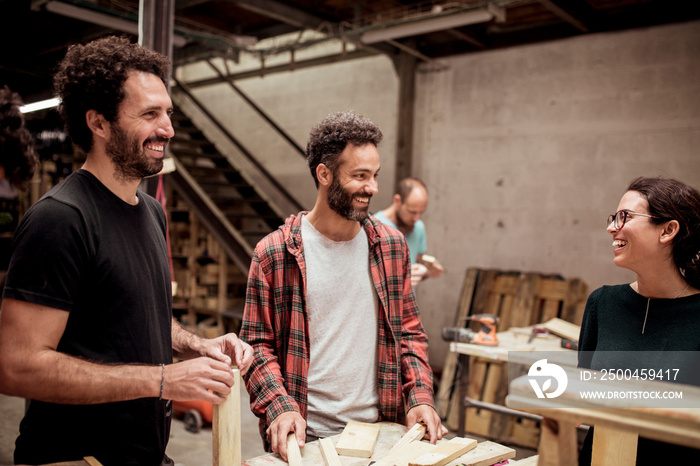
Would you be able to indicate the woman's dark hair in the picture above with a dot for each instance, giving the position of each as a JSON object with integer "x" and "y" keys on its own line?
{"x": 329, "y": 138}
{"x": 92, "y": 76}
{"x": 17, "y": 152}
{"x": 670, "y": 199}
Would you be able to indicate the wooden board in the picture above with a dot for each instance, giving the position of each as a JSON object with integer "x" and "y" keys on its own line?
{"x": 293, "y": 451}
{"x": 358, "y": 439}
{"x": 445, "y": 395}
{"x": 444, "y": 452}
{"x": 226, "y": 427}
{"x": 414, "y": 433}
{"x": 330, "y": 456}
{"x": 614, "y": 446}
{"x": 404, "y": 455}
{"x": 563, "y": 328}
{"x": 529, "y": 461}
{"x": 485, "y": 454}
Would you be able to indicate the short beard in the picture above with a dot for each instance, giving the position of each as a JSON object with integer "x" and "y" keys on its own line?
{"x": 341, "y": 202}
{"x": 405, "y": 227}
{"x": 130, "y": 160}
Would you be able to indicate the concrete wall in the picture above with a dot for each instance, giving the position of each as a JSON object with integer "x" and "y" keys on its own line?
{"x": 525, "y": 150}
{"x": 296, "y": 101}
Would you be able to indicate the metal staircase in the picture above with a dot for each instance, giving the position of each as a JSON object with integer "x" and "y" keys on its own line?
{"x": 232, "y": 209}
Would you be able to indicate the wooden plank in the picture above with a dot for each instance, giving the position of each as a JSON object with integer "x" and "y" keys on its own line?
{"x": 524, "y": 301}
{"x": 402, "y": 456}
{"x": 614, "y": 446}
{"x": 553, "y": 288}
{"x": 414, "y": 433}
{"x": 562, "y": 328}
{"x": 575, "y": 301}
{"x": 448, "y": 377}
{"x": 480, "y": 421}
{"x": 558, "y": 444}
{"x": 330, "y": 456}
{"x": 484, "y": 283}
{"x": 445, "y": 452}
{"x": 485, "y": 454}
{"x": 226, "y": 427}
{"x": 358, "y": 439}
{"x": 530, "y": 461}
{"x": 503, "y": 291}
{"x": 92, "y": 461}
{"x": 550, "y": 310}
{"x": 477, "y": 375}
{"x": 293, "y": 451}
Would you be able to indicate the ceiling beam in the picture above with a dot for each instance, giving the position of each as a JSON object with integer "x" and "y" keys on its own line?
{"x": 280, "y": 68}
{"x": 466, "y": 38}
{"x": 182, "y": 4}
{"x": 280, "y": 11}
{"x": 563, "y": 14}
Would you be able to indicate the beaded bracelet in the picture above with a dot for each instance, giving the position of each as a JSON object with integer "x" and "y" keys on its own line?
{"x": 162, "y": 380}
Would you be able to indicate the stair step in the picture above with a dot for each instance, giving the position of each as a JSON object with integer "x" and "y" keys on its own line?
{"x": 187, "y": 130}
{"x": 214, "y": 170}
{"x": 241, "y": 215}
{"x": 223, "y": 183}
{"x": 194, "y": 153}
{"x": 228, "y": 200}
{"x": 190, "y": 142}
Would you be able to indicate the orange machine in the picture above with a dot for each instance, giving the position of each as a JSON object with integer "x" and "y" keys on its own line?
{"x": 194, "y": 413}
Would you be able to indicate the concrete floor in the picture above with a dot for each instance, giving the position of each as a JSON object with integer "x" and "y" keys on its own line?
{"x": 185, "y": 448}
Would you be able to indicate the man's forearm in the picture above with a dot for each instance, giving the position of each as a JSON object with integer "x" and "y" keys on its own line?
{"x": 60, "y": 378}
{"x": 185, "y": 343}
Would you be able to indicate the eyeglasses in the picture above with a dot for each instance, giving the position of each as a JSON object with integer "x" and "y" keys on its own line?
{"x": 620, "y": 217}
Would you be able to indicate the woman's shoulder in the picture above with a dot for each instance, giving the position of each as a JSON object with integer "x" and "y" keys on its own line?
{"x": 606, "y": 291}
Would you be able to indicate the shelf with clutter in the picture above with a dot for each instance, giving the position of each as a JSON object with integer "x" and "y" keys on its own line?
{"x": 208, "y": 289}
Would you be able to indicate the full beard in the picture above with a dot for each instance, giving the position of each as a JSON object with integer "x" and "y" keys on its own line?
{"x": 341, "y": 203}
{"x": 129, "y": 158}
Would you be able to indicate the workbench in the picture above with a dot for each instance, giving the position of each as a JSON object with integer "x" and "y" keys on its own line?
{"x": 483, "y": 377}
{"x": 486, "y": 453}
{"x": 618, "y": 422}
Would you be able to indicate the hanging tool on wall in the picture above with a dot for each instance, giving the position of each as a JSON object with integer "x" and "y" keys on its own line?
{"x": 485, "y": 336}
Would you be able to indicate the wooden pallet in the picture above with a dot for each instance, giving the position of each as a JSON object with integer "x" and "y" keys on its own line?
{"x": 518, "y": 299}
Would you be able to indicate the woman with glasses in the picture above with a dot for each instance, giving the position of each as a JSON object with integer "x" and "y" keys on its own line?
{"x": 656, "y": 234}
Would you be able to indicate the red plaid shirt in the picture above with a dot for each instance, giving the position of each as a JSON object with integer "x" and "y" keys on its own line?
{"x": 275, "y": 324}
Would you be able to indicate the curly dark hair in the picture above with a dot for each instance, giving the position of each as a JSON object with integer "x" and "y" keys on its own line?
{"x": 329, "y": 138}
{"x": 17, "y": 153}
{"x": 91, "y": 77}
{"x": 670, "y": 199}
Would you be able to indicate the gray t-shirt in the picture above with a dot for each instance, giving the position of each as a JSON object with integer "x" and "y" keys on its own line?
{"x": 342, "y": 306}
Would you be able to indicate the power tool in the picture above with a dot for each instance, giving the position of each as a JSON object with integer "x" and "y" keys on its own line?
{"x": 485, "y": 336}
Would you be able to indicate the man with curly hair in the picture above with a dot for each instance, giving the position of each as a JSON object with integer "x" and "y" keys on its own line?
{"x": 86, "y": 329}
{"x": 330, "y": 311}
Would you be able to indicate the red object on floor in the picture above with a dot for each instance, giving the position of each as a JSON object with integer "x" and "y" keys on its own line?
{"x": 194, "y": 413}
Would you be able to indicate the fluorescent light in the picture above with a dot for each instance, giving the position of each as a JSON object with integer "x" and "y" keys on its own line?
{"x": 424, "y": 26}
{"x": 41, "y": 105}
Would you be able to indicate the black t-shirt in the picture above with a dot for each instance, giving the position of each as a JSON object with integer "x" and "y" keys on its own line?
{"x": 612, "y": 327}
{"x": 83, "y": 250}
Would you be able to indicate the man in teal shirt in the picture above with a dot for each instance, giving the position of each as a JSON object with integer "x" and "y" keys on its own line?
{"x": 408, "y": 204}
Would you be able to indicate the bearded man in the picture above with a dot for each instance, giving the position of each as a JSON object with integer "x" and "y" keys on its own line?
{"x": 404, "y": 213}
{"x": 86, "y": 330}
{"x": 330, "y": 311}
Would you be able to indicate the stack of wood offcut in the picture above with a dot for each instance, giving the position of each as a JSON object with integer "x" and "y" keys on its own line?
{"x": 359, "y": 440}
